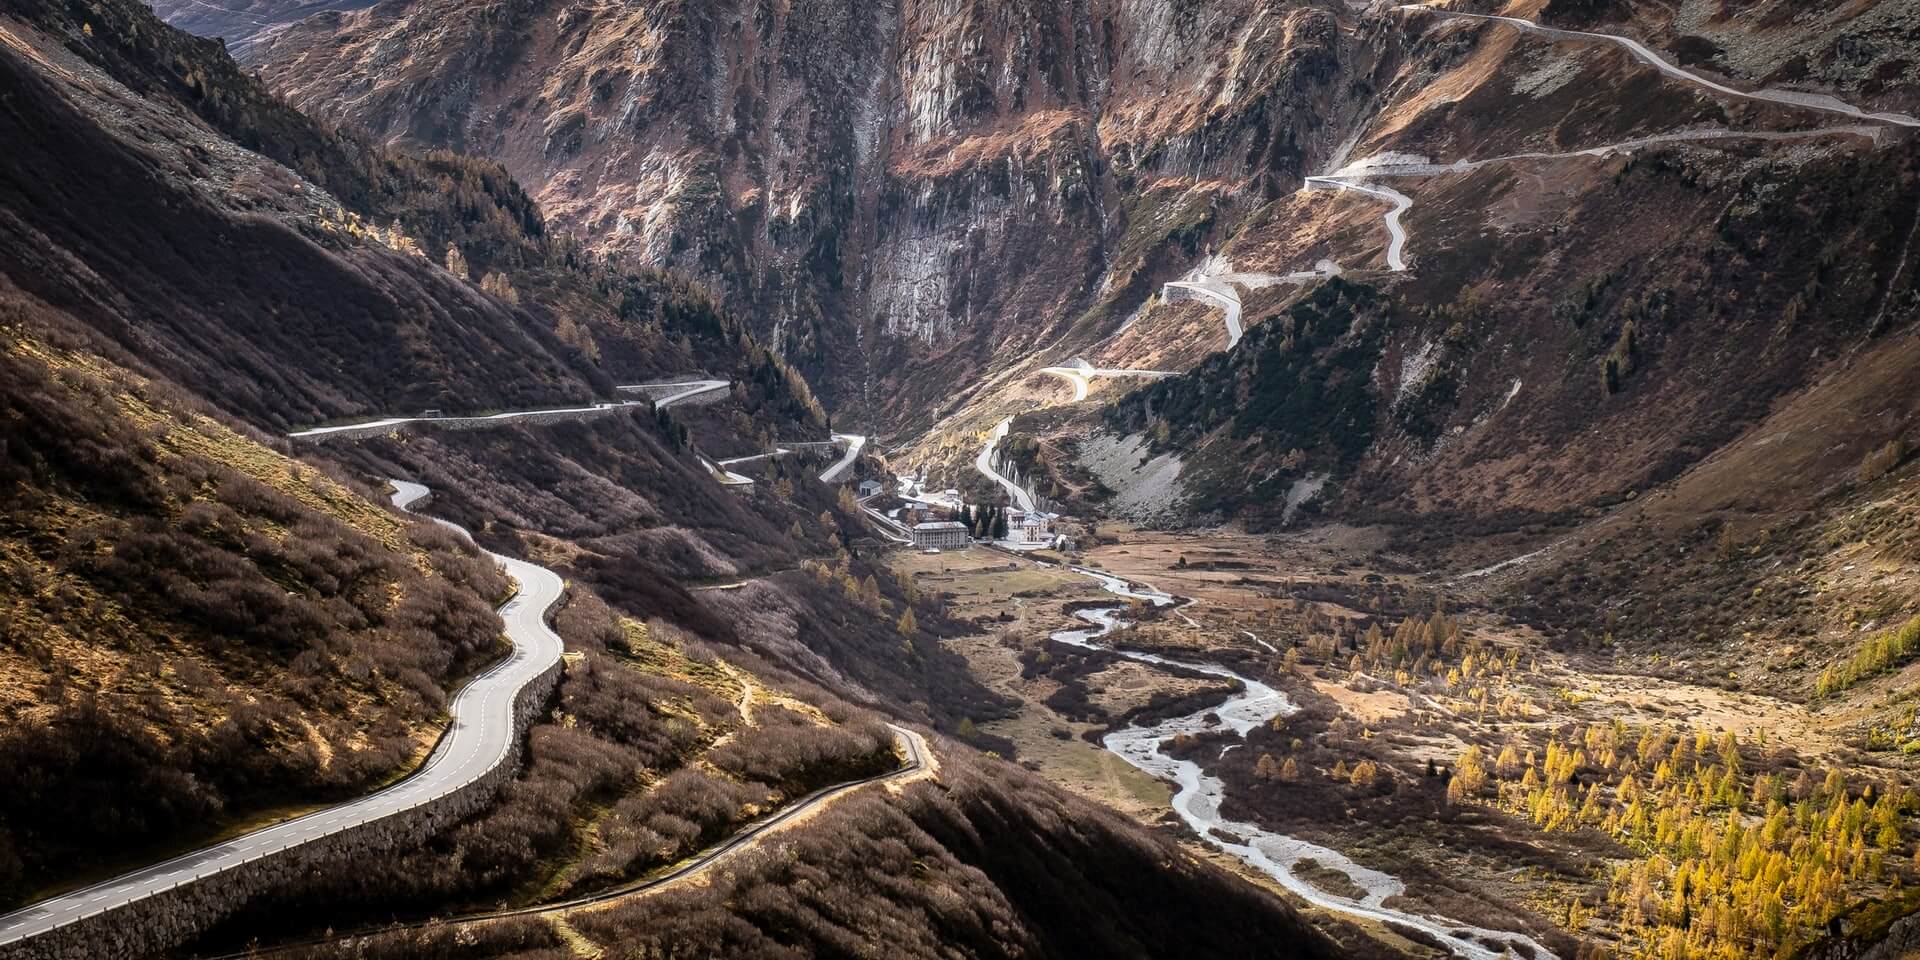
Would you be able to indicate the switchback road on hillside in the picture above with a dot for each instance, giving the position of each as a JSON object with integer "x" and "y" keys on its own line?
{"x": 672, "y": 393}
{"x": 920, "y": 763}
{"x": 479, "y": 737}
{"x": 775, "y": 452}
{"x": 663, "y": 395}
{"x": 725, "y": 476}
{"x": 1222, "y": 289}
{"x": 1079, "y": 376}
{"x": 1396, "y": 233}
{"x": 1218, "y": 291}
{"x": 1358, "y": 176}
{"x": 852, "y": 444}
{"x": 855, "y": 443}
{"x": 1394, "y": 166}
{"x": 1792, "y": 98}
{"x": 984, "y": 464}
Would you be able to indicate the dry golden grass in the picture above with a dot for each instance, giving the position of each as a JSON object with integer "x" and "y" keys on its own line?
{"x": 196, "y": 595}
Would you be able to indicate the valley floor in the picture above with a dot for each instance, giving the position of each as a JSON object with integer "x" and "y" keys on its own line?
{"x": 1449, "y": 709}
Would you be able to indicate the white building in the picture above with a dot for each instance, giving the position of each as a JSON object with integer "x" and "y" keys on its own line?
{"x": 1032, "y": 528}
{"x": 870, "y": 488}
{"x": 940, "y": 535}
{"x": 1025, "y": 527}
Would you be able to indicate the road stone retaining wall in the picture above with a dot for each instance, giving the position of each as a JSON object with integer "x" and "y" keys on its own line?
{"x": 466, "y": 423}
{"x": 167, "y": 919}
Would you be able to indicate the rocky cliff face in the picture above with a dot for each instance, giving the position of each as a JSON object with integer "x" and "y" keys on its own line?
{"x": 925, "y": 203}
{"x": 903, "y": 194}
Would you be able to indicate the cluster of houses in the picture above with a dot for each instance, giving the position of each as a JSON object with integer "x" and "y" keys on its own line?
{"x": 934, "y": 520}
{"x": 1022, "y": 528}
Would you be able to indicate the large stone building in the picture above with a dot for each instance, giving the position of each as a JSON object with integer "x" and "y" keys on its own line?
{"x": 1033, "y": 528}
{"x": 940, "y": 535}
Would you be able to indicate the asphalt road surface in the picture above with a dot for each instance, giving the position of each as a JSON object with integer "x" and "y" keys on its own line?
{"x": 681, "y": 391}
{"x": 480, "y": 736}
{"x": 984, "y": 464}
{"x": 1791, "y": 98}
{"x": 919, "y": 763}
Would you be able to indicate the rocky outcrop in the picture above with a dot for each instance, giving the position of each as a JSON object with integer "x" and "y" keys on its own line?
{"x": 901, "y": 193}
{"x": 1897, "y": 940}
{"x": 916, "y": 199}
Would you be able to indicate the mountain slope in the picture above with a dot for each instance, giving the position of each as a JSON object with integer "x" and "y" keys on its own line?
{"x": 201, "y": 629}
{"x": 304, "y": 282}
{"x": 900, "y": 194}
{"x": 198, "y": 629}
{"x": 211, "y": 278}
{"x": 961, "y": 199}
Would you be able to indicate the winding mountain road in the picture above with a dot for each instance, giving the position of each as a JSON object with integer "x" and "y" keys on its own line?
{"x": 376, "y": 425}
{"x": 672, "y": 393}
{"x": 1221, "y": 288}
{"x": 1358, "y": 177}
{"x": 851, "y": 443}
{"x": 920, "y": 763}
{"x": 1080, "y": 376}
{"x": 1397, "y": 233}
{"x": 725, "y": 476}
{"x": 1218, "y": 291}
{"x": 480, "y": 736}
{"x": 661, "y": 395}
{"x": 776, "y": 452}
{"x": 1791, "y": 98}
{"x": 1378, "y": 167}
{"x": 984, "y": 464}
{"x": 855, "y": 443}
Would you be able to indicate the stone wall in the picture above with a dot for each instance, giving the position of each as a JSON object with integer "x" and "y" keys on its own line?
{"x": 473, "y": 423}
{"x": 705, "y": 399}
{"x": 660, "y": 391}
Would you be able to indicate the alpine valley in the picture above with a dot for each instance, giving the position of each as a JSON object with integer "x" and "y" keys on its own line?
{"x": 550, "y": 479}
